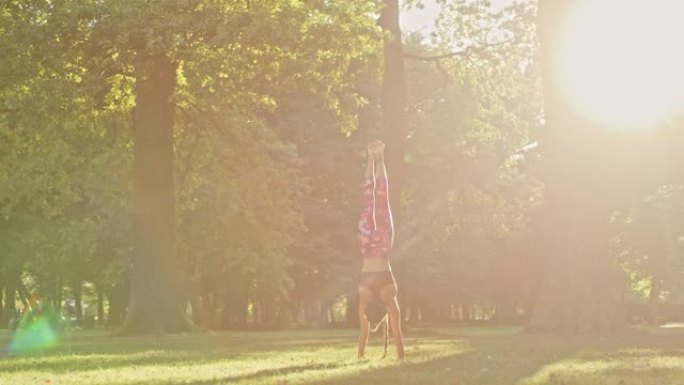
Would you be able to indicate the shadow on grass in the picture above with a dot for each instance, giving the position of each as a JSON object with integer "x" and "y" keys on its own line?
{"x": 478, "y": 365}
{"x": 474, "y": 369}
{"x": 263, "y": 373}
{"x": 524, "y": 359}
{"x": 484, "y": 364}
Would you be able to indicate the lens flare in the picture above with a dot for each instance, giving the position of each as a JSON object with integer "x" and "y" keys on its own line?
{"x": 37, "y": 333}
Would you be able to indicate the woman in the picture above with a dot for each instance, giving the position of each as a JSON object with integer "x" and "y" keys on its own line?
{"x": 376, "y": 237}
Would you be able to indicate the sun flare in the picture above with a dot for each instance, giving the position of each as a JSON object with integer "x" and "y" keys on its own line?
{"x": 619, "y": 62}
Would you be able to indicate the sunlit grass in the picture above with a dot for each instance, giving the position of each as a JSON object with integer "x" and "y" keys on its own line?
{"x": 436, "y": 356}
{"x": 642, "y": 367}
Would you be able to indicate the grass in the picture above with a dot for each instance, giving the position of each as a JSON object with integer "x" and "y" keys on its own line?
{"x": 456, "y": 356}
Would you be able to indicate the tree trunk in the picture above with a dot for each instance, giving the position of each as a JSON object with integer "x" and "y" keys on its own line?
{"x": 393, "y": 98}
{"x": 394, "y": 121}
{"x": 352, "y": 313}
{"x": 100, "y": 306}
{"x": 24, "y": 294}
{"x": 78, "y": 300}
{"x": 573, "y": 228}
{"x": 155, "y": 304}
{"x": 116, "y": 297}
{"x": 197, "y": 311}
{"x": 236, "y": 300}
{"x": 58, "y": 297}
{"x": 10, "y": 308}
{"x": 3, "y": 302}
{"x": 505, "y": 312}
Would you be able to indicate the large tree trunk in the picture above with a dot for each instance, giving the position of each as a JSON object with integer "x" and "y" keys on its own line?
{"x": 117, "y": 296}
{"x": 155, "y": 304}
{"x": 394, "y": 121}
{"x": 393, "y": 98}
{"x": 573, "y": 228}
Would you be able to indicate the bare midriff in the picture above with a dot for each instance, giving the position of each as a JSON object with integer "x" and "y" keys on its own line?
{"x": 371, "y": 265}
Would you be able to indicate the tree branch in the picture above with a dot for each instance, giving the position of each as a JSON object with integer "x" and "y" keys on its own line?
{"x": 462, "y": 53}
{"x": 437, "y": 58}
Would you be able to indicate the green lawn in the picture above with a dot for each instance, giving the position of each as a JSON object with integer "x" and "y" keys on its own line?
{"x": 440, "y": 356}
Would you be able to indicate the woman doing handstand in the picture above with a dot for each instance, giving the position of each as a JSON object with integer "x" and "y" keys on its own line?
{"x": 376, "y": 238}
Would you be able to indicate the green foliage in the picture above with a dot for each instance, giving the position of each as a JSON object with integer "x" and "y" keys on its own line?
{"x": 649, "y": 242}
{"x": 472, "y": 186}
{"x": 269, "y": 98}
{"x": 244, "y": 69}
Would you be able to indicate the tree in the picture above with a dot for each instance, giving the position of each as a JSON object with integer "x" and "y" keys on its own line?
{"x": 578, "y": 293}
{"x": 393, "y": 96}
{"x": 472, "y": 119}
{"x": 186, "y": 67}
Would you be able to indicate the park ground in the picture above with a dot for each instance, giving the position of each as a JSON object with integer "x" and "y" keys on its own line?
{"x": 451, "y": 356}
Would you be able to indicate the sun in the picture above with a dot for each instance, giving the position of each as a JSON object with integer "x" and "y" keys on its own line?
{"x": 620, "y": 62}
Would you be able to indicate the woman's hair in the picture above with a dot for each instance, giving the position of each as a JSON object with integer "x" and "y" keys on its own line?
{"x": 375, "y": 311}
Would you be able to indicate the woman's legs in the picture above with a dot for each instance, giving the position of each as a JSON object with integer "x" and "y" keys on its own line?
{"x": 376, "y": 227}
{"x": 384, "y": 225}
{"x": 367, "y": 216}
{"x": 376, "y": 215}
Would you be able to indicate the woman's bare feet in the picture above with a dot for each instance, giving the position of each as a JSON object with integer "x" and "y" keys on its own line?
{"x": 376, "y": 147}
